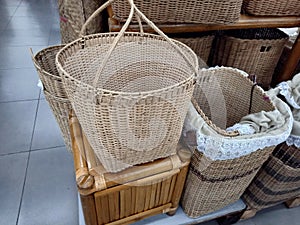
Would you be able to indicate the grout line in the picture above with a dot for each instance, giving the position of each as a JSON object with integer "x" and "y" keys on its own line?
{"x": 13, "y": 153}
{"x": 43, "y": 149}
{"x": 24, "y": 100}
{"x": 28, "y": 158}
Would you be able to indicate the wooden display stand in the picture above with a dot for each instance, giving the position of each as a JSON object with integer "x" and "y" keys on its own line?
{"x": 244, "y": 22}
{"x": 130, "y": 195}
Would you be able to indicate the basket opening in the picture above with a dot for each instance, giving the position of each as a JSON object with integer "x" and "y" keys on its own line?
{"x": 137, "y": 64}
{"x": 257, "y": 33}
{"x": 224, "y": 97}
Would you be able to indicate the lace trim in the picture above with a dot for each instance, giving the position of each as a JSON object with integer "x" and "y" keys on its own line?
{"x": 293, "y": 140}
{"x": 243, "y": 129}
{"x": 285, "y": 91}
{"x": 217, "y": 148}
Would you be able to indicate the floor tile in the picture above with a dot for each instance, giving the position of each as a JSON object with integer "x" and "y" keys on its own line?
{"x": 55, "y": 35}
{"x": 50, "y": 194}
{"x": 278, "y": 215}
{"x": 6, "y": 11}
{"x": 246, "y": 222}
{"x": 21, "y": 37}
{"x": 212, "y": 222}
{"x": 12, "y": 175}
{"x": 37, "y": 11}
{"x": 47, "y": 133}
{"x": 18, "y": 84}
{"x": 4, "y": 22}
{"x": 17, "y": 56}
{"x": 25, "y": 23}
{"x": 17, "y": 120}
{"x": 10, "y": 2}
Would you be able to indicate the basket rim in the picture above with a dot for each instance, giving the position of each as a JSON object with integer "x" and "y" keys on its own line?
{"x": 41, "y": 51}
{"x": 60, "y": 99}
{"x": 80, "y": 41}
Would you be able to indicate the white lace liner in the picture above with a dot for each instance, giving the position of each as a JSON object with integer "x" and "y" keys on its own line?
{"x": 293, "y": 140}
{"x": 286, "y": 92}
{"x": 218, "y": 147}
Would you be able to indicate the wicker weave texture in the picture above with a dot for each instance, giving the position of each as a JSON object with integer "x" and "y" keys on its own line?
{"x": 73, "y": 14}
{"x": 200, "y": 45}
{"x": 277, "y": 181}
{"x": 176, "y": 11}
{"x": 224, "y": 98}
{"x": 211, "y": 185}
{"x": 256, "y": 51}
{"x": 135, "y": 112}
{"x": 44, "y": 62}
{"x": 61, "y": 108}
{"x": 272, "y": 8}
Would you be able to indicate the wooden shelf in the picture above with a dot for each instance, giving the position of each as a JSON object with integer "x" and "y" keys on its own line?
{"x": 244, "y": 22}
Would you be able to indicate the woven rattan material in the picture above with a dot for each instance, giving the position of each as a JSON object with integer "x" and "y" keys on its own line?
{"x": 201, "y": 44}
{"x": 61, "y": 108}
{"x": 277, "y": 181}
{"x": 136, "y": 111}
{"x": 73, "y": 14}
{"x": 224, "y": 97}
{"x": 211, "y": 185}
{"x": 272, "y": 8}
{"x": 44, "y": 62}
{"x": 166, "y": 11}
{"x": 255, "y": 51}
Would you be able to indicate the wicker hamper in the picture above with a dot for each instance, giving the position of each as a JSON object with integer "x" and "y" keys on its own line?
{"x": 183, "y": 11}
{"x": 200, "y": 43}
{"x": 73, "y": 14}
{"x": 226, "y": 161}
{"x": 130, "y": 92}
{"x": 130, "y": 195}
{"x": 55, "y": 94}
{"x": 272, "y": 8}
{"x": 279, "y": 178}
{"x": 255, "y": 51}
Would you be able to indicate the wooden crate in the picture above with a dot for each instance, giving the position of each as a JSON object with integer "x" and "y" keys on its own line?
{"x": 130, "y": 195}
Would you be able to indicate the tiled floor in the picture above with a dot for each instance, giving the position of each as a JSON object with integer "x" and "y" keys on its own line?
{"x": 37, "y": 185}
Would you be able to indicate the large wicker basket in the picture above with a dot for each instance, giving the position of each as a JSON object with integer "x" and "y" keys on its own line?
{"x": 255, "y": 51}
{"x": 73, "y": 14}
{"x": 223, "y": 165}
{"x": 200, "y": 43}
{"x": 44, "y": 62}
{"x": 183, "y": 11}
{"x": 272, "y": 8}
{"x": 277, "y": 181}
{"x": 130, "y": 92}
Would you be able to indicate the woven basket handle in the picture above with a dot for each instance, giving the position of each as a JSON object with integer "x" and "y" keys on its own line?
{"x": 139, "y": 14}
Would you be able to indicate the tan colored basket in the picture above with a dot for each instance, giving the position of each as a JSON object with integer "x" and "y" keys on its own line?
{"x": 61, "y": 108}
{"x": 178, "y": 11}
{"x": 200, "y": 43}
{"x": 130, "y": 92}
{"x": 272, "y": 8}
{"x": 277, "y": 181}
{"x": 44, "y": 62}
{"x": 73, "y": 14}
{"x": 213, "y": 184}
{"x": 255, "y": 51}
{"x": 130, "y": 195}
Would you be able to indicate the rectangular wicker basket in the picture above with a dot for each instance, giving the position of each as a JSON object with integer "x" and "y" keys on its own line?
{"x": 272, "y": 8}
{"x": 183, "y": 11}
{"x": 256, "y": 51}
{"x": 129, "y": 195}
{"x": 277, "y": 181}
{"x": 200, "y": 43}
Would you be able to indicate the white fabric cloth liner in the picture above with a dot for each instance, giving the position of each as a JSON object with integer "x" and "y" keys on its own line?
{"x": 291, "y": 92}
{"x": 258, "y": 130}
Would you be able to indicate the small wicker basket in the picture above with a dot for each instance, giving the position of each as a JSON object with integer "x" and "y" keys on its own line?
{"x": 256, "y": 51}
{"x": 200, "y": 43}
{"x": 272, "y": 8}
{"x": 61, "y": 108}
{"x": 183, "y": 11}
{"x": 44, "y": 62}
